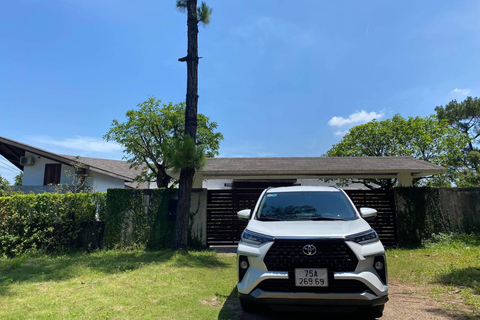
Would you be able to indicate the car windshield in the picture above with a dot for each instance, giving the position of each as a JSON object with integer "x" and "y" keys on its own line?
{"x": 305, "y": 206}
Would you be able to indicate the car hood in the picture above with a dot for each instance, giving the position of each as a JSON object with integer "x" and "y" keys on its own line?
{"x": 329, "y": 229}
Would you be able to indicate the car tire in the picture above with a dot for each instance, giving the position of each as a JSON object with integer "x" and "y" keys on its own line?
{"x": 248, "y": 306}
{"x": 375, "y": 311}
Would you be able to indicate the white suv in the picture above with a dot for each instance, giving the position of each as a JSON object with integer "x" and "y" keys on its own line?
{"x": 310, "y": 246}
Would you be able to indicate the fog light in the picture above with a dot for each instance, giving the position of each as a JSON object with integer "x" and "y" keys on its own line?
{"x": 379, "y": 265}
{"x": 244, "y": 265}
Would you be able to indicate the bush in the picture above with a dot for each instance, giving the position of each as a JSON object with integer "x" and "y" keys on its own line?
{"x": 46, "y": 222}
{"x": 138, "y": 218}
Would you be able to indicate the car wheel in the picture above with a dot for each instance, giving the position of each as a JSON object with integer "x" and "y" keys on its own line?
{"x": 248, "y": 306}
{"x": 375, "y": 312}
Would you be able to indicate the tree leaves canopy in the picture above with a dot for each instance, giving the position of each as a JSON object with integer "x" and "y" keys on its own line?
{"x": 4, "y": 185}
{"x": 151, "y": 131}
{"x": 423, "y": 138}
{"x": 204, "y": 12}
{"x": 464, "y": 116}
{"x": 18, "y": 179}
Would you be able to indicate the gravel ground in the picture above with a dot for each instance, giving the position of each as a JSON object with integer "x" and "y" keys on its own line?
{"x": 406, "y": 303}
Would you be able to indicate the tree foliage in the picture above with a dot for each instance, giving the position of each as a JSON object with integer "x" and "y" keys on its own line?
{"x": 151, "y": 133}
{"x": 423, "y": 138}
{"x": 465, "y": 117}
{"x": 18, "y": 179}
{"x": 4, "y": 184}
{"x": 203, "y": 13}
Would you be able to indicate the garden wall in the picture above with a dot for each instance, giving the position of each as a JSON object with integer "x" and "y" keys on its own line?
{"x": 146, "y": 218}
{"x": 422, "y": 212}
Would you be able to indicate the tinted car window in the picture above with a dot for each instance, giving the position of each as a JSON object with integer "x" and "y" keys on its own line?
{"x": 305, "y": 206}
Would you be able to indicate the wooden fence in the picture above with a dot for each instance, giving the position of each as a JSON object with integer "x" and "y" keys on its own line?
{"x": 224, "y": 228}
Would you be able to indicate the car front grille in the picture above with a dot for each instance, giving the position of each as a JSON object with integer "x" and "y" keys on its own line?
{"x": 334, "y": 286}
{"x": 287, "y": 254}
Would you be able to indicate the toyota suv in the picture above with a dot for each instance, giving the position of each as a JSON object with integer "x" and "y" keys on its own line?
{"x": 310, "y": 246}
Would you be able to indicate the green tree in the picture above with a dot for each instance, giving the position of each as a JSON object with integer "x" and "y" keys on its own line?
{"x": 151, "y": 133}
{"x": 18, "y": 179}
{"x": 195, "y": 15}
{"x": 465, "y": 117}
{"x": 423, "y": 138}
{"x": 4, "y": 185}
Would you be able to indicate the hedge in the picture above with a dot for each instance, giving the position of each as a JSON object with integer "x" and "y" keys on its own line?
{"x": 47, "y": 222}
{"x": 419, "y": 215}
{"x": 138, "y": 218}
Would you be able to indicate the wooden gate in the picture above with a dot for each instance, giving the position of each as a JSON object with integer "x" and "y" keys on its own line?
{"x": 383, "y": 201}
{"x": 224, "y": 228}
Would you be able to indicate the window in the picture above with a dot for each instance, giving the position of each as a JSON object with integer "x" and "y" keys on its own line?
{"x": 305, "y": 206}
{"x": 52, "y": 173}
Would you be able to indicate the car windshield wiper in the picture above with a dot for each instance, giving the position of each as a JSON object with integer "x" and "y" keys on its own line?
{"x": 270, "y": 219}
{"x": 323, "y": 219}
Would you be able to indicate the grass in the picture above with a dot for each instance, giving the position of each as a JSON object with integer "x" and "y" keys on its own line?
{"x": 195, "y": 285}
{"x": 117, "y": 285}
{"x": 448, "y": 268}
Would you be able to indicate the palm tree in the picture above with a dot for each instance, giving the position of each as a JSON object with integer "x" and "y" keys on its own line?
{"x": 194, "y": 17}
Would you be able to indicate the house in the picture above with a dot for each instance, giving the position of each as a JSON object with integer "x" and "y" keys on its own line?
{"x": 307, "y": 170}
{"x": 42, "y": 169}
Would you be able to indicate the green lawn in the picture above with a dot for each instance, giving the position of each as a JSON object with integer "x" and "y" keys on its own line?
{"x": 195, "y": 285}
{"x": 117, "y": 285}
{"x": 449, "y": 270}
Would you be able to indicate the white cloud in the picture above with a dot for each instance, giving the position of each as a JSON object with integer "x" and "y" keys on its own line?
{"x": 356, "y": 118}
{"x": 341, "y": 133}
{"x": 460, "y": 91}
{"x": 83, "y": 144}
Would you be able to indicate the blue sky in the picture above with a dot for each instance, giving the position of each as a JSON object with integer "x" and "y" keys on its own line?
{"x": 280, "y": 79}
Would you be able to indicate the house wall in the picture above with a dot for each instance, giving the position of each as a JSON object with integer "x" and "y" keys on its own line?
{"x": 101, "y": 182}
{"x": 34, "y": 175}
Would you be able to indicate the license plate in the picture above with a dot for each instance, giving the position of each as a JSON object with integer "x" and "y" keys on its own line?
{"x": 311, "y": 277}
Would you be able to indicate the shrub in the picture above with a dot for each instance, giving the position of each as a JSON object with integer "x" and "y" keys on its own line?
{"x": 46, "y": 222}
{"x": 138, "y": 218}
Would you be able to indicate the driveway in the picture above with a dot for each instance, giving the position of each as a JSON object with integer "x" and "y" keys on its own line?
{"x": 406, "y": 303}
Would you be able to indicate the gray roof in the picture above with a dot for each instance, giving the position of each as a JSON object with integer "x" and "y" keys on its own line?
{"x": 251, "y": 168}
{"x": 118, "y": 168}
{"x": 318, "y": 167}
{"x": 12, "y": 150}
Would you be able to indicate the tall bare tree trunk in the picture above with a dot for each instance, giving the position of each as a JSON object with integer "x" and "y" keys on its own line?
{"x": 186, "y": 174}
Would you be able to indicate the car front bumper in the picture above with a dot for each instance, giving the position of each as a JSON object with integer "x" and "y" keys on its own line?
{"x": 259, "y": 296}
{"x": 374, "y": 291}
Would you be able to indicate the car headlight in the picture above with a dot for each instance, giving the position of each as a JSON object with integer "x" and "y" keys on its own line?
{"x": 364, "y": 237}
{"x": 255, "y": 238}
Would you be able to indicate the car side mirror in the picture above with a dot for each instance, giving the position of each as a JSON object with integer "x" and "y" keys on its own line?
{"x": 368, "y": 213}
{"x": 244, "y": 214}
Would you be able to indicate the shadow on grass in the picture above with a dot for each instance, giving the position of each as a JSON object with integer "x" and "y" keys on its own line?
{"x": 232, "y": 310}
{"x": 59, "y": 268}
{"x": 466, "y": 277}
{"x": 195, "y": 260}
{"x": 457, "y": 315}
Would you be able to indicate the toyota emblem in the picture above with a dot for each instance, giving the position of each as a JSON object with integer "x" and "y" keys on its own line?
{"x": 309, "y": 250}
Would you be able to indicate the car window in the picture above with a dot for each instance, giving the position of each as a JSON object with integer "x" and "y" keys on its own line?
{"x": 305, "y": 206}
